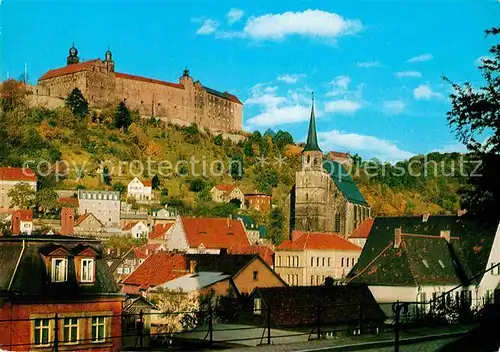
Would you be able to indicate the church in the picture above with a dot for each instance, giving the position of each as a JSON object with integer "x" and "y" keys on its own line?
{"x": 182, "y": 103}
{"x": 324, "y": 198}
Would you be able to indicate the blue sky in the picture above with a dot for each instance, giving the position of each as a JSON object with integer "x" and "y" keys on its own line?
{"x": 375, "y": 66}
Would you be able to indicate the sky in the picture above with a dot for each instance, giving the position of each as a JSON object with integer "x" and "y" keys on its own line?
{"x": 375, "y": 66}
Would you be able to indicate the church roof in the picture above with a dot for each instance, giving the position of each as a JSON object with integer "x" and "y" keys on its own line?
{"x": 344, "y": 182}
{"x": 66, "y": 70}
{"x": 312, "y": 138}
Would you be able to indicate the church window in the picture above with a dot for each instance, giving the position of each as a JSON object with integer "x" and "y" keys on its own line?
{"x": 308, "y": 159}
{"x": 337, "y": 222}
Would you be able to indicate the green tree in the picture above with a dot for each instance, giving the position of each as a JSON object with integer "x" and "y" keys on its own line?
{"x": 22, "y": 196}
{"x": 46, "y": 201}
{"x": 276, "y": 222}
{"x": 106, "y": 176}
{"x": 475, "y": 118}
{"x": 155, "y": 182}
{"x": 196, "y": 184}
{"x": 236, "y": 167}
{"x": 282, "y": 139}
{"x": 218, "y": 140}
{"x": 122, "y": 117}
{"x": 119, "y": 187}
{"x": 77, "y": 103}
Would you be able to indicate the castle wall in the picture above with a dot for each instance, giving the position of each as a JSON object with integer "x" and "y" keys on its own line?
{"x": 61, "y": 86}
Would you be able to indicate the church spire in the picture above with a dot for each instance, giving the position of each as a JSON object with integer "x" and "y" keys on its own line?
{"x": 312, "y": 138}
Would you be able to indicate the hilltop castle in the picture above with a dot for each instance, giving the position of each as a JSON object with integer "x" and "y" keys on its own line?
{"x": 182, "y": 103}
{"x": 324, "y": 197}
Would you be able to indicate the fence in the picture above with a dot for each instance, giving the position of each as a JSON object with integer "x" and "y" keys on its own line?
{"x": 213, "y": 327}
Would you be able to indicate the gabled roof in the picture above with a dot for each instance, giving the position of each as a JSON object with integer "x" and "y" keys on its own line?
{"x": 229, "y": 264}
{"x": 363, "y": 230}
{"x": 147, "y": 183}
{"x": 146, "y": 250}
{"x": 214, "y": 232}
{"x": 160, "y": 231}
{"x": 297, "y": 305}
{"x": 195, "y": 282}
{"x": 84, "y": 217}
{"x": 130, "y": 224}
{"x": 265, "y": 252}
{"x": 317, "y": 240}
{"x": 24, "y": 215}
{"x": 423, "y": 257}
{"x": 226, "y": 188}
{"x": 17, "y": 174}
{"x": 73, "y": 68}
{"x": 344, "y": 182}
{"x": 149, "y": 80}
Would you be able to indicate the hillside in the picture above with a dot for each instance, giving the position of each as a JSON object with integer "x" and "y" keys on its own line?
{"x": 83, "y": 148}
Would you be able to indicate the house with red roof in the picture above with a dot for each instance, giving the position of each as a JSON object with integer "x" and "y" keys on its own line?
{"x": 160, "y": 233}
{"x": 310, "y": 257}
{"x": 141, "y": 191}
{"x": 206, "y": 235}
{"x": 360, "y": 234}
{"x": 137, "y": 229}
{"x": 225, "y": 193}
{"x": 9, "y": 178}
{"x": 265, "y": 252}
{"x": 22, "y": 222}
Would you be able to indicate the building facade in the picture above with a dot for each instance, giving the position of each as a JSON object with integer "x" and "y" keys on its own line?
{"x": 183, "y": 103}
{"x": 9, "y": 178}
{"x": 258, "y": 201}
{"x": 324, "y": 197}
{"x": 141, "y": 191}
{"x": 104, "y": 205}
{"x": 225, "y": 193}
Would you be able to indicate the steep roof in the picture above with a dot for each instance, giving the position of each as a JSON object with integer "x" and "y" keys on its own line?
{"x": 17, "y": 174}
{"x": 423, "y": 257}
{"x": 344, "y": 182}
{"x": 159, "y": 231}
{"x": 149, "y": 80}
{"x": 265, "y": 252}
{"x": 226, "y": 188}
{"x": 297, "y": 305}
{"x": 73, "y": 68}
{"x": 312, "y": 138}
{"x": 363, "y": 230}
{"x": 317, "y": 240}
{"x": 214, "y": 232}
{"x": 31, "y": 278}
{"x": 84, "y": 217}
{"x": 223, "y": 95}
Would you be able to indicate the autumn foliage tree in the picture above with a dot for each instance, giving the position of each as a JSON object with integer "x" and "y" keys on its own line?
{"x": 12, "y": 94}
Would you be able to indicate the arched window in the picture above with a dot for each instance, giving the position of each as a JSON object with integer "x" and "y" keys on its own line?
{"x": 298, "y": 261}
{"x": 342, "y": 262}
{"x": 279, "y": 260}
{"x": 287, "y": 260}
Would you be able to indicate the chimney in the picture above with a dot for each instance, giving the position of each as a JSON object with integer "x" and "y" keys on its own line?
{"x": 397, "y": 237}
{"x": 425, "y": 217}
{"x": 192, "y": 266}
{"x": 67, "y": 221}
{"x": 16, "y": 223}
{"x": 446, "y": 234}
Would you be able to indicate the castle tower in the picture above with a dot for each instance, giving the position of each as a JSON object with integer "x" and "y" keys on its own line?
{"x": 73, "y": 56}
{"x": 108, "y": 59}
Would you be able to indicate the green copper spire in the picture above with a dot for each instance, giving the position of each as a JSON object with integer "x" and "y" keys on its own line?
{"x": 312, "y": 138}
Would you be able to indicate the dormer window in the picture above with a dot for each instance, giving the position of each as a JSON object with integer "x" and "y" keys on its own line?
{"x": 87, "y": 272}
{"x": 59, "y": 269}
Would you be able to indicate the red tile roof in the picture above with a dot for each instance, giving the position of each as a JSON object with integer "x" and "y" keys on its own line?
{"x": 149, "y": 80}
{"x": 146, "y": 250}
{"x": 159, "y": 268}
{"x": 73, "y": 68}
{"x": 317, "y": 240}
{"x": 17, "y": 174}
{"x": 214, "y": 232}
{"x": 68, "y": 200}
{"x": 265, "y": 252}
{"x": 233, "y": 98}
{"x": 363, "y": 230}
{"x": 159, "y": 231}
{"x": 81, "y": 218}
{"x": 147, "y": 183}
{"x": 225, "y": 187}
{"x": 339, "y": 154}
{"x": 24, "y": 215}
{"x": 129, "y": 224}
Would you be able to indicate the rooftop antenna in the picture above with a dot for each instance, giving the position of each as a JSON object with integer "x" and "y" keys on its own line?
{"x": 25, "y": 73}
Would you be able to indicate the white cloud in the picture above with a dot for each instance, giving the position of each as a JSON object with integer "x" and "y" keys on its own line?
{"x": 340, "y": 86}
{"x": 277, "y": 110}
{"x": 452, "y": 148}
{"x": 342, "y": 106}
{"x": 402, "y": 74}
{"x": 368, "y": 64}
{"x": 420, "y": 58}
{"x": 207, "y": 27}
{"x": 393, "y": 107}
{"x": 424, "y": 92}
{"x": 291, "y": 78}
{"x": 356, "y": 143}
{"x": 234, "y": 15}
{"x": 310, "y": 23}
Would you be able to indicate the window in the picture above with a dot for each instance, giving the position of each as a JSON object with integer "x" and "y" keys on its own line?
{"x": 279, "y": 260}
{"x": 312, "y": 280}
{"x": 347, "y": 261}
{"x": 287, "y": 260}
{"x": 70, "y": 330}
{"x": 337, "y": 222}
{"x": 257, "y": 306}
{"x": 120, "y": 270}
{"x": 317, "y": 262}
{"x": 342, "y": 262}
{"x": 324, "y": 262}
{"x": 59, "y": 269}
{"x": 312, "y": 261}
{"x": 255, "y": 275}
{"x": 98, "y": 329}
{"x": 297, "y": 261}
{"x": 495, "y": 271}
{"x": 87, "y": 273}
{"x": 42, "y": 332}
{"x": 329, "y": 263}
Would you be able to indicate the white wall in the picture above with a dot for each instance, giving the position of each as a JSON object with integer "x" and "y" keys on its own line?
{"x": 177, "y": 239}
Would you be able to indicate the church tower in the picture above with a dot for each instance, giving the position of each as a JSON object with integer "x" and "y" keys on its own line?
{"x": 312, "y": 156}
{"x": 108, "y": 59}
{"x": 73, "y": 56}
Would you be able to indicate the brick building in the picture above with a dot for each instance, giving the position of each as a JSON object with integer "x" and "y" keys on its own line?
{"x": 60, "y": 284}
{"x": 9, "y": 178}
{"x": 183, "y": 103}
{"x": 258, "y": 201}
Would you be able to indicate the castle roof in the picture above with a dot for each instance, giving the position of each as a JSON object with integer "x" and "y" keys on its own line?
{"x": 149, "y": 80}
{"x": 317, "y": 241}
{"x": 66, "y": 70}
{"x": 223, "y": 95}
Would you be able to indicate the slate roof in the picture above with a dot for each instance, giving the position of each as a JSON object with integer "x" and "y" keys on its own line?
{"x": 363, "y": 230}
{"x": 317, "y": 240}
{"x": 32, "y": 279}
{"x": 344, "y": 182}
{"x": 297, "y": 305}
{"x": 229, "y": 264}
{"x": 453, "y": 262}
{"x": 17, "y": 174}
{"x": 223, "y": 95}
{"x": 214, "y": 232}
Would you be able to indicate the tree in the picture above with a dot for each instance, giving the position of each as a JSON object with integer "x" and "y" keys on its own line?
{"x": 475, "y": 118}
{"x": 218, "y": 140}
{"x": 236, "y": 169}
{"x": 22, "y": 196}
{"x": 46, "y": 201}
{"x": 119, "y": 187}
{"x": 276, "y": 222}
{"x": 106, "y": 176}
{"x": 77, "y": 103}
{"x": 123, "y": 120}
{"x": 155, "y": 182}
{"x": 282, "y": 139}
{"x": 196, "y": 184}
{"x": 12, "y": 94}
